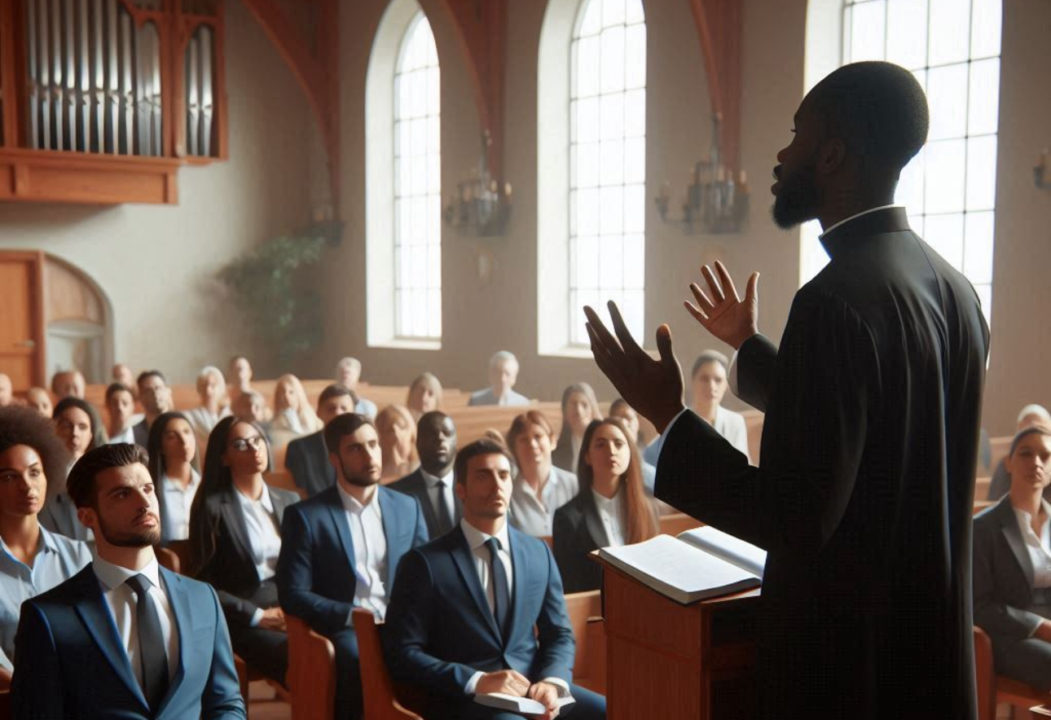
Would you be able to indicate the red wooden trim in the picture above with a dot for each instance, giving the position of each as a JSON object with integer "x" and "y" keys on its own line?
{"x": 481, "y": 33}
{"x": 8, "y": 74}
{"x": 719, "y": 30}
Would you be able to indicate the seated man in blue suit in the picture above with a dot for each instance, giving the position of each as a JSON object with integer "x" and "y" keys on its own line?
{"x": 306, "y": 457}
{"x": 123, "y": 637}
{"x": 432, "y": 482}
{"x": 340, "y": 549}
{"x": 461, "y": 621}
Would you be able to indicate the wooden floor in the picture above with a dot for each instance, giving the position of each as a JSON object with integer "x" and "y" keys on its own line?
{"x": 262, "y": 704}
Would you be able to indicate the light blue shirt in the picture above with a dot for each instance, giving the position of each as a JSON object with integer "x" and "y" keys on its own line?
{"x": 58, "y": 558}
{"x": 366, "y": 408}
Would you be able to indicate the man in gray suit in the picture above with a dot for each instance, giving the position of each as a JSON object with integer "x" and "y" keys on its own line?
{"x": 503, "y": 372}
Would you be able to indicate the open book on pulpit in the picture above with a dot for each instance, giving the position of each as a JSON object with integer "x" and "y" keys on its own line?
{"x": 698, "y": 564}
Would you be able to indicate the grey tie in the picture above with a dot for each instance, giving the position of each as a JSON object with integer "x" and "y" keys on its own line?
{"x": 152, "y": 648}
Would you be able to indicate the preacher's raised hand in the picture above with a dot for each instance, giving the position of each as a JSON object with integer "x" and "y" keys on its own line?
{"x": 725, "y": 315}
{"x": 652, "y": 387}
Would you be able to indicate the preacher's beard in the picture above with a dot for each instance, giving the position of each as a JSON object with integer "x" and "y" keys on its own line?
{"x": 797, "y": 199}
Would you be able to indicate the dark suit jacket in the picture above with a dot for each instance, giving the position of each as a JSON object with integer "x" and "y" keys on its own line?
{"x": 70, "y": 662}
{"x": 315, "y": 573}
{"x": 440, "y": 630}
{"x": 141, "y": 432}
{"x": 223, "y": 551}
{"x": 863, "y": 499}
{"x": 562, "y": 457}
{"x": 307, "y": 459}
{"x": 576, "y": 531}
{"x": 414, "y": 485}
{"x": 1004, "y": 603}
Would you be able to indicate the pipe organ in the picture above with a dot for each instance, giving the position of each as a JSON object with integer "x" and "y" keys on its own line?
{"x": 106, "y": 85}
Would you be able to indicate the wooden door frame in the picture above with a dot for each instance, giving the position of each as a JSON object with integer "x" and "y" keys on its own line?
{"x": 35, "y": 258}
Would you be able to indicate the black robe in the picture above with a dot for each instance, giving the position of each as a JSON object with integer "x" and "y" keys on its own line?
{"x": 863, "y": 497}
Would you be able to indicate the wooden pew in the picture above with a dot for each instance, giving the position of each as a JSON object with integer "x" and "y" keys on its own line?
{"x": 585, "y": 616}
{"x": 993, "y": 689}
{"x": 311, "y": 674}
{"x": 383, "y": 701}
{"x": 678, "y": 522}
{"x": 472, "y": 422}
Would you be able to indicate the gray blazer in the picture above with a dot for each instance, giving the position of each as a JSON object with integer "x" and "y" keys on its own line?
{"x": 1005, "y": 603}
{"x": 488, "y": 397}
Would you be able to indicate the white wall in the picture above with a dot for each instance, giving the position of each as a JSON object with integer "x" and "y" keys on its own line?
{"x": 157, "y": 263}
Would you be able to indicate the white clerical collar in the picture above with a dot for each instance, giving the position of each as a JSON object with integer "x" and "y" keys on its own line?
{"x": 857, "y": 215}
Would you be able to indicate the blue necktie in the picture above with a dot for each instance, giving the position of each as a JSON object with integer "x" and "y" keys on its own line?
{"x": 152, "y": 648}
{"x": 501, "y": 597}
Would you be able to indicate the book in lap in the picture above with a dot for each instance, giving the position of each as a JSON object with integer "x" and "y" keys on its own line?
{"x": 513, "y": 703}
{"x": 698, "y": 564}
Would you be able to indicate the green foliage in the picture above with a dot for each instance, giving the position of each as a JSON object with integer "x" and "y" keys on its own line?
{"x": 274, "y": 289}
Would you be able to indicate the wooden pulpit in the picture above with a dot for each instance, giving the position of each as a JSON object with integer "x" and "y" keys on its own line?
{"x": 677, "y": 662}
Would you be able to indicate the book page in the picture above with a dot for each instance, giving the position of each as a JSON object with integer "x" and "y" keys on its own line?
{"x": 679, "y": 570}
{"x": 515, "y": 703}
{"x": 732, "y": 549}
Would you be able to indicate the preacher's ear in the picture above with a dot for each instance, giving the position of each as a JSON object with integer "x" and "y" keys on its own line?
{"x": 831, "y": 156}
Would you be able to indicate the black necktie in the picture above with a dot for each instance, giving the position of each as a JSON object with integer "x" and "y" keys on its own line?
{"x": 152, "y": 648}
{"x": 445, "y": 517}
{"x": 501, "y": 598}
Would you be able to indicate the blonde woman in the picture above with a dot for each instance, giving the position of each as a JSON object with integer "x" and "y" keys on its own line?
{"x": 425, "y": 395}
{"x": 292, "y": 411}
{"x": 211, "y": 389}
{"x": 397, "y": 431}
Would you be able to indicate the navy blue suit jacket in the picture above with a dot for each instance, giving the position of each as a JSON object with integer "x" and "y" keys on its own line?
{"x": 414, "y": 485}
{"x": 440, "y": 630}
{"x": 315, "y": 571}
{"x": 307, "y": 459}
{"x": 70, "y": 662}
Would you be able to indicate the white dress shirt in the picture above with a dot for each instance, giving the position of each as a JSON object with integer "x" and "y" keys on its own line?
{"x": 370, "y": 552}
{"x": 263, "y": 536}
{"x": 613, "y": 514}
{"x": 1037, "y": 545}
{"x": 476, "y": 540}
{"x": 433, "y": 491}
{"x": 127, "y": 435}
{"x": 533, "y": 515}
{"x": 122, "y": 603}
{"x": 57, "y": 559}
{"x": 177, "y": 503}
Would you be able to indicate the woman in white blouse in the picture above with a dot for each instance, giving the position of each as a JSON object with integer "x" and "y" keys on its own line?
{"x": 211, "y": 389}
{"x": 611, "y": 508}
{"x": 540, "y": 488}
{"x": 174, "y": 466}
{"x": 235, "y": 538}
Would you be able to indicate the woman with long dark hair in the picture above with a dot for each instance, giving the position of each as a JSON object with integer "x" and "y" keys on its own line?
{"x": 172, "y": 448}
{"x": 80, "y": 429}
{"x": 611, "y": 508}
{"x": 235, "y": 536}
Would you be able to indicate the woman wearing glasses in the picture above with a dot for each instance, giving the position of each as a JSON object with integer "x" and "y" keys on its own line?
{"x": 235, "y": 534}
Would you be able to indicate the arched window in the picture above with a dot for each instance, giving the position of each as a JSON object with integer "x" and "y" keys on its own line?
{"x": 403, "y": 182}
{"x": 591, "y": 220}
{"x": 953, "y": 49}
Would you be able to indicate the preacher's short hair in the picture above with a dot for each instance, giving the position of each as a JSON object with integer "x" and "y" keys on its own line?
{"x": 333, "y": 391}
{"x": 877, "y": 108}
{"x": 341, "y": 426}
{"x": 25, "y": 426}
{"x": 484, "y": 446}
{"x": 710, "y": 356}
{"x": 80, "y": 485}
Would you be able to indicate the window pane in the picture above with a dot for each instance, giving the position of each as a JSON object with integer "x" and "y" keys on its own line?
{"x": 585, "y": 171}
{"x": 984, "y": 97}
{"x": 907, "y": 33}
{"x": 949, "y": 31}
{"x": 417, "y": 185}
{"x": 611, "y": 219}
{"x": 944, "y": 176}
{"x": 947, "y": 98}
{"x": 611, "y": 110}
{"x": 612, "y": 162}
{"x": 612, "y": 70}
{"x": 635, "y": 208}
{"x": 978, "y": 247}
{"x": 944, "y": 233}
{"x": 591, "y": 18}
{"x": 587, "y": 125}
{"x": 985, "y": 28}
{"x": 635, "y": 56}
{"x": 587, "y": 67}
{"x": 910, "y": 185}
{"x": 866, "y": 37}
{"x": 635, "y": 160}
{"x": 981, "y": 173}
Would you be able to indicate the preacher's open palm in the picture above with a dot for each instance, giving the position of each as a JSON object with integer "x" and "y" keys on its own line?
{"x": 724, "y": 314}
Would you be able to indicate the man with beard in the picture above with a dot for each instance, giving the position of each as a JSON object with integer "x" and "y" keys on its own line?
{"x": 432, "y": 483}
{"x": 307, "y": 458}
{"x": 863, "y": 495}
{"x": 124, "y": 637}
{"x": 340, "y": 549}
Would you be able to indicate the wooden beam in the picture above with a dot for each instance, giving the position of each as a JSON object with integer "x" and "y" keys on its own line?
{"x": 719, "y": 31}
{"x": 317, "y": 72}
{"x": 8, "y": 74}
{"x": 481, "y": 32}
